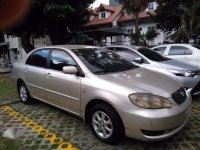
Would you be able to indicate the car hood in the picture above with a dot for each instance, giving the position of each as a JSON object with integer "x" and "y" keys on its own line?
{"x": 143, "y": 80}
{"x": 175, "y": 65}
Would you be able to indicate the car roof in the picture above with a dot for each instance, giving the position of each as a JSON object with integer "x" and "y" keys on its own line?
{"x": 71, "y": 46}
{"x": 130, "y": 46}
{"x": 176, "y": 44}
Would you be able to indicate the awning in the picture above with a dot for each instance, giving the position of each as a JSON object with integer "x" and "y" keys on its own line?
{"x": 4, "y": 43}
{"x": 108, "y": 32}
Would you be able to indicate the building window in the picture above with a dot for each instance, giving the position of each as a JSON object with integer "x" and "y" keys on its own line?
{"x": 151, "y": 27}
{"x": 102, "y": 15}
{"x": 150, "y": 6}
{"x": 130, "y": 31}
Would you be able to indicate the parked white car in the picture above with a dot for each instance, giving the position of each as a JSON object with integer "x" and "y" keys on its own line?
{"x": 187, "y": 53}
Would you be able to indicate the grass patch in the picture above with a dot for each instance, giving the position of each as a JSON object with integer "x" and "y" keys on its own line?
{"x": 9, "y": 144}
{"x": 8, "y": 91}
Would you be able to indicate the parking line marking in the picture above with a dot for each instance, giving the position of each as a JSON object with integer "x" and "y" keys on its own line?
{"x": 195, "y": 110}
{"x": 47, "y": 135}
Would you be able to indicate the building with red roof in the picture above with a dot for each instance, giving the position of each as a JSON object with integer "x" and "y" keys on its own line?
{"x": 112, "y": 25}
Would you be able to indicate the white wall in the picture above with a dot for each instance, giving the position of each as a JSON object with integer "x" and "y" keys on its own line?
{"x": 158, "y": 40}
{"x": 107, "y": 14}
{"x": 15, "y": 44}
{"x": 115, "y": 20}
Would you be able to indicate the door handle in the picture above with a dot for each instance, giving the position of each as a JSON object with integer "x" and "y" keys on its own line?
{"x": 49, "y": 75}
{"x": 26, "y": 69}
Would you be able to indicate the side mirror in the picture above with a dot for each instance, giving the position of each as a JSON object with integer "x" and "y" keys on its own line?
{"x": 139, "y": 60}
{"x": 70, "y": 70}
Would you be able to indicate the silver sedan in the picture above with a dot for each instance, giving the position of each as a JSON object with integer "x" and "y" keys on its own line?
{"x": 112, "y": 95}
{"x": 188, "y": 75}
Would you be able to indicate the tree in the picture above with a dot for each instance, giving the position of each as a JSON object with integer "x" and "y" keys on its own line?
{"x": 151, "y": 34}
{"x": 134, "y": 7}
{"x": 137, "y": 38}
{"x": 180, "y": 16}
{"x": 55, "y": 18}
{"x": 144, "y": 38}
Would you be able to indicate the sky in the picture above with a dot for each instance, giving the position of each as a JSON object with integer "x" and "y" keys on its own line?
{"x": 98, "y": 2}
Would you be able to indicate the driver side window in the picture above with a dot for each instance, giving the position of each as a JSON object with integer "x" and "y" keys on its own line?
{"x": 59, "y": 59}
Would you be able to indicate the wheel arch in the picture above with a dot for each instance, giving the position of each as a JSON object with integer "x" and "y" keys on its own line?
{"x": 19, "y": 81}
{"x": 94, "y": 102}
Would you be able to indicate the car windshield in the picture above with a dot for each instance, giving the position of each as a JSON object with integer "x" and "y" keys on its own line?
{"x": 152, "y": 55}
{"x": 102, "y": 61}
{"x": 196, "y": 46}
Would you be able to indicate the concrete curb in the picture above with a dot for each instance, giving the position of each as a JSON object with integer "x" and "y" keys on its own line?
{"x": 5, "y": 72}
{"x": 9, "y": 102}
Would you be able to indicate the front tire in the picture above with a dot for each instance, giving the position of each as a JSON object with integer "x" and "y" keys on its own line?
{"x": 24, "y": 93}
{"x": 105, "y": 123}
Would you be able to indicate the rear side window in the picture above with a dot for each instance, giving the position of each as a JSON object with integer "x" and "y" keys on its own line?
{"x": 160, "y": 50}
{"x": 179, "y": 50}
{"x": 127, "y": 54}
{"x": 59, "y": 59}
{"x": 38, "y": 58}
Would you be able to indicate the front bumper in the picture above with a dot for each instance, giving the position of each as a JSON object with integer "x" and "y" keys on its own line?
{"x": 155, "y": 124}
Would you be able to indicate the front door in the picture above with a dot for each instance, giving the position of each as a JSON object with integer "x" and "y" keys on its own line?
{"x": 62, "y": 89}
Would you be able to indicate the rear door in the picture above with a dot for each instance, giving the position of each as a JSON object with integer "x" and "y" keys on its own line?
{"x": 35, "y": 71}
{"x": 62, "y": 89}
{"x": 180, "y": 53}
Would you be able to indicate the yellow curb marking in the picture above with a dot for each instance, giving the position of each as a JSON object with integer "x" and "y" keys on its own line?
{"x": 50, "y": 137}
{"x": 195, "y": 110}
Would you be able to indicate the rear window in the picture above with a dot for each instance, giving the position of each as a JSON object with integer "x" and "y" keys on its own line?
{"x": 152, "y": 55}
{"x": 128, "y": 54}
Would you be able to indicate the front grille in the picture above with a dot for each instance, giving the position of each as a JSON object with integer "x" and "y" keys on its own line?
{"x": 179, "y": 96}
{"x": 196, "y": 88}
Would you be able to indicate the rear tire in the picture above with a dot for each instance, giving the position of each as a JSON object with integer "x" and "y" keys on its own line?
{"x": 24, "y": 93}
{"x": 105, "y": 123}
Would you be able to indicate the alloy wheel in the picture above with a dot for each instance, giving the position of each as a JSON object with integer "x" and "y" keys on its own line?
{"x": 102, "y": 124}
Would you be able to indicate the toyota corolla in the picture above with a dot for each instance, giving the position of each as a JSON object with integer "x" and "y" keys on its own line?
{"x": 112, "y": 95}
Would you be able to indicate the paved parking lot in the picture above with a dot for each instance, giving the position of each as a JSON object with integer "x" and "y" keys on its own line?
{"x": 40, "y": 126}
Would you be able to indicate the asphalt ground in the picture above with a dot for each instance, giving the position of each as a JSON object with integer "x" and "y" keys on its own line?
{"x": 41, "y": 127}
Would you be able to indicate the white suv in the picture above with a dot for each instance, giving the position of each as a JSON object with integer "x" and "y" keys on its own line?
{"x": 183, "y": 52}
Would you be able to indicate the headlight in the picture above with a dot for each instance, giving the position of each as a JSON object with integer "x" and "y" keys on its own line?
{"x": 149, "y": 101}
{"x": 183, "y": 73}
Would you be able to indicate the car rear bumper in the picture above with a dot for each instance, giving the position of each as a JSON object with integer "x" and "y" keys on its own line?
{"x": 155, "y": 125}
